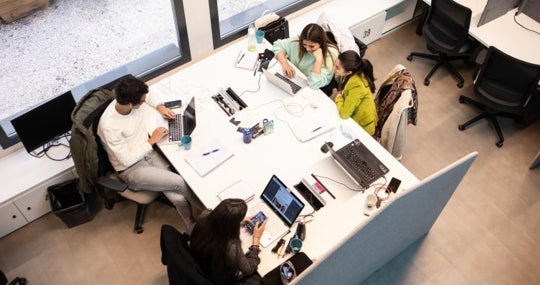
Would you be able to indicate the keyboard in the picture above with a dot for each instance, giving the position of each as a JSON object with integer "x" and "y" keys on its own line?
{"x": 295, "y": 87}
{"x": 361, "y": 163}
{"x": 175, "y": 128}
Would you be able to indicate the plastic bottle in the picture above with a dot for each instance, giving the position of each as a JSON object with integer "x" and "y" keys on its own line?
{"x": 252, "y": 41}
{"x": 246, "y": 135}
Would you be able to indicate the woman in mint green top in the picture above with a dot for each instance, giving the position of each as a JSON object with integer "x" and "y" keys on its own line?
{"x": 354, "y": 96}
{"x": 312, "y": 53}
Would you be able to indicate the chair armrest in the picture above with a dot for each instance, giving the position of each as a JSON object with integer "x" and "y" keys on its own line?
{"x": 113, "y": 184}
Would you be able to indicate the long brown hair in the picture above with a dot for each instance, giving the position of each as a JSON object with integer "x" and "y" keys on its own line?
{"x": 351, "y": 61}
{"x": 315, "y": 33}
{"x": 213, "y": 232}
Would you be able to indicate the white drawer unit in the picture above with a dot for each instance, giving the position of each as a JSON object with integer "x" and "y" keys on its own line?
{"x": 35, "y": 203}
{"x": 10, "y": 218}
{"x": 30, "y": 205}
{"x": 371, "y": 29}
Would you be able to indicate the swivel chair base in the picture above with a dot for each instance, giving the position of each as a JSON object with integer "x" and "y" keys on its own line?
{"x": 442, "y": 60}
{"x": 488, "y": 114}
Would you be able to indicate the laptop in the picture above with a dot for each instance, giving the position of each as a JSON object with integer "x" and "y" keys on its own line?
{"x": 281, "y": 208}
{"x": 289, "y": 85}
{"x": 182, "y": 124}
{"x": 359, "y": 163}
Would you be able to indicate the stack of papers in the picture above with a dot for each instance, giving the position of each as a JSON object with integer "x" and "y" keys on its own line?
{"x": 239, "y": 190}
{"x": 209, "y": 158}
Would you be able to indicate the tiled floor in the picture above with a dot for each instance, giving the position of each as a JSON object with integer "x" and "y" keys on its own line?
{"x": 488, "y": 233}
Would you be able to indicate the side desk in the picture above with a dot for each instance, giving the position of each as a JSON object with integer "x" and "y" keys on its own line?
{"x": 504, "y": 33}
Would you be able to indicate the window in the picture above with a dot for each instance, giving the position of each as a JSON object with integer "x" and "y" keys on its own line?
{"x": 230, "y": 18}
{"x": 81, "y": 45}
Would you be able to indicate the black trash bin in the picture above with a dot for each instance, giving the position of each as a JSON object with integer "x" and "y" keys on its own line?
{"x": 68, "y": 203}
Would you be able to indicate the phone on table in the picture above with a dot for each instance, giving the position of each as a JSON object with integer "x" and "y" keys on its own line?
{"x": 260, "y": 217}
{"x": 394, "y": 184}
{"x": 173, "y": 104}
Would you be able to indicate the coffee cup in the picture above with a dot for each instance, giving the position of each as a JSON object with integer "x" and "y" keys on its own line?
{"x": 296, "y": 245}
{"x": 185, "y": 141}
{"x": 259, "y": 35}
{"x": 371, "y": 201}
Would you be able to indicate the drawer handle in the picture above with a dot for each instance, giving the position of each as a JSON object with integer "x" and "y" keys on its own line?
{"x": 14, "y": 216}
{"x": 29, "y": 208}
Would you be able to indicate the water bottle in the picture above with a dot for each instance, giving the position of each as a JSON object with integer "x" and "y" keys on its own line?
{"x": 247, "y": 135}
{"x": 252, "y": 41}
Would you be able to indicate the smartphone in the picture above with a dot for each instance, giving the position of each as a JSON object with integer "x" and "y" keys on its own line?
{"x": 173, "y": 104}
{"x": 394, "y": 184}
{"x": 260, "y": 217}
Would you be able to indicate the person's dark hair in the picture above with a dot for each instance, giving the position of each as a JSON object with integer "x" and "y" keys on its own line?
{"x": 315, "y": 33}
{"x": 351, "y": 61}
{"x": 213, "y": 232}
{"x": 130, "y": 90}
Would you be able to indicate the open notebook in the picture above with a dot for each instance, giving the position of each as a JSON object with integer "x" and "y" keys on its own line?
{"x": 209, "y": 158}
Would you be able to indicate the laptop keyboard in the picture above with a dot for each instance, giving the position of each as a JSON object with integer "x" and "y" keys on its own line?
{"x": 295, "y": 87}
{"x": 367, "y": 166}
{"x": 175, "y": 128}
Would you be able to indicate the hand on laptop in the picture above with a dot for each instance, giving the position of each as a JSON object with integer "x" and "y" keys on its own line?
{"x": 166, "y": 112}
{"x": 157, "y": 135}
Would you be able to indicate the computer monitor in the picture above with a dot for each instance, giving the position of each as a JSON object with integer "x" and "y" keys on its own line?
{"x": 530, "y": 8}
{"x": 45, "y": 122}
{"x": 496, "y": 8}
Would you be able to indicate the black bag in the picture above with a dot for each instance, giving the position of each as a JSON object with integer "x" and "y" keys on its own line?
{"x": 276, "y": 30}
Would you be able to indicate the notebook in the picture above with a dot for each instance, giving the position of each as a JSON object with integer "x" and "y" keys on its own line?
{"x": 182, "y": 124}
{"x": 310, "y": 126}
{"x": 240, "y": 190}
{"x": 209, "y": 158}
{"x": 289, "y": 85}
{"x": 281, "y": 207}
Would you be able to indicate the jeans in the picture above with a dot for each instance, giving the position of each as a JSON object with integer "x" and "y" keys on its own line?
{"x": 152, "y": 173}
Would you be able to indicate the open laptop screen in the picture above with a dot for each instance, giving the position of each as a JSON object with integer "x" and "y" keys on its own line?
{"x": 189, "y": 117}
{"x": 282, "y": 201}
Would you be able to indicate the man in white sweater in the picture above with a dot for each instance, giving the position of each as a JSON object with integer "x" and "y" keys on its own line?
{"x": 124, "y": 137}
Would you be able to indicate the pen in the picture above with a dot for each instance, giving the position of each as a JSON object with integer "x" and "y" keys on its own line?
{"x": 240, "y": 59}
{"x": 316, "y": 129}
{"x": 212, "y": 151}
{"x": 256, "y": 67}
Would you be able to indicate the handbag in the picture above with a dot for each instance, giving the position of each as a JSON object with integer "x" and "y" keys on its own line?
{"x": 276, "y": 30}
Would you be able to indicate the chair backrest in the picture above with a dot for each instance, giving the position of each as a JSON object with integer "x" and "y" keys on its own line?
{"x": 447, "y": 26}
{"x": 507, "y": 81}
{"x": 83, "y": 143}
{"x": 181, "y": 266}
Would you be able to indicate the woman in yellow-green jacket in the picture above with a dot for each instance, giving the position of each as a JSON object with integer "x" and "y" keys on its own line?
{"x": 354, "y": 96}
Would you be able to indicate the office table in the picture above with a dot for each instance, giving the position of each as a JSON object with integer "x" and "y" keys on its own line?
{"x": 278, "y": 153}
{"x": 504, "y": 33}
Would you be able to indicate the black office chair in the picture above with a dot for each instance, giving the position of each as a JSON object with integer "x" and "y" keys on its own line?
{"x": 446, "y": 31}
{"x": 506, "y": 87}
{"x": 181, "y": 266}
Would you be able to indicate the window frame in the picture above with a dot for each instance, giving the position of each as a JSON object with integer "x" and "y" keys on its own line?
{"x": 10, "y": 139}
{"x": 218, "y": 41}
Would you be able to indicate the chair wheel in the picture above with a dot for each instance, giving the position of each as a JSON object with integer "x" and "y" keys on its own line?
{"x": 139, "y": 230}
{"x": 109, "y": 205}
{"x": 461, "y": 100}
{"x": 460, "y": 85}
{"x": 499, "y": 144}
{"x": 409, "y": 58}
{"x": 461, "y": 128}
{"x": 426, "y": 82}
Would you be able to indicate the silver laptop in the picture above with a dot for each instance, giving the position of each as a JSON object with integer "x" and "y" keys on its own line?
{"x": 280, "y": 206}
{"x": 289, "y": 85}
{"x": 183, "y": 124}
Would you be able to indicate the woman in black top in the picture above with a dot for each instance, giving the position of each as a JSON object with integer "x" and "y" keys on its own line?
{"x": 216, "y": 246}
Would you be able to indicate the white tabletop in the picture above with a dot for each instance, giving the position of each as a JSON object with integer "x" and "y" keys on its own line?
{"x": 278, "y": 153}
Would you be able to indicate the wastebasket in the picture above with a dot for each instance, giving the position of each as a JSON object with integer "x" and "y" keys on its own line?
{"x": 68, "y": 203}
